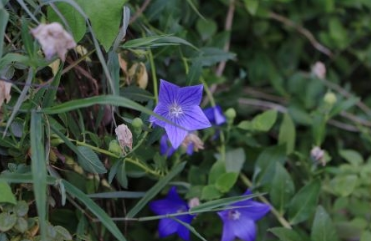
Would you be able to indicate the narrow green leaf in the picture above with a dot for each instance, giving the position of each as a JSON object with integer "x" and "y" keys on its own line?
{"x": 51, "y": 93}
{"x": 38, "y": 167}
{"x": 89, "y": 161}
{"x": 287, "y": 134}
{"x": 23, "y": 178}
{"x": 7, "y": 195}
{"x": 323, "y": 228}
{"x": 190, "y": 228}
{"x": 120, "y": 194}
{"x": 95, "y": 209}
{"x": 4, "y": 17}
{"x": 285, "y": 234}
{"x": 194, "y": 72}
{"x": 282, "y": 188}
{"x": 27, "y": 39}
{"x": 84, "y": 154}
{"x": 155, "y": 189}
{"x": 304, "y": 202}
{"x": 156, "y": 41}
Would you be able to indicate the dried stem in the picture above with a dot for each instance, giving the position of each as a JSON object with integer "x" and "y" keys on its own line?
{"x": 140, "y": 11}
{"x": 317, "y": 45}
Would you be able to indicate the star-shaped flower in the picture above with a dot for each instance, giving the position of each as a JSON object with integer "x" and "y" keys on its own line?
{"x": 215, "y": 115}
{"x": 181, "y": 107}
{"x": 170, "y": 205}
{"x": 240, "y": 221}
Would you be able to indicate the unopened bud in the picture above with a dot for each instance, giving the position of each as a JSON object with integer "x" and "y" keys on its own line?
{"x": 194, "y": 141}
{"x": 115, "y": 147}
{"x": 317, "y": 155}
{"x": 124, "y": 137}
{"x": 319, "y": 70}
{"x": 194, "y": 202}
{"x": 230, "y": 113}
{"x": 330, "y": 98}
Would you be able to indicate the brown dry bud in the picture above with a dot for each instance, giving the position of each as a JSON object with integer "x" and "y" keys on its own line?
{"x": 125, "y": 137}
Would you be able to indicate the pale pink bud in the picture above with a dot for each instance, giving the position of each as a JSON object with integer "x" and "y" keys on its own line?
{"x": 194, "y": 202}
{"x": 319, "y": 70}
{"x": 125, "y": 137}
{"x": 317, "y": 154}
{"x": 195, "y": 140}
{"x": 4, "y": 91}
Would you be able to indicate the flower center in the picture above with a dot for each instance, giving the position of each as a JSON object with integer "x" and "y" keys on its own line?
{"x": 234, "y": 215}
{"x": 175, "y": 110}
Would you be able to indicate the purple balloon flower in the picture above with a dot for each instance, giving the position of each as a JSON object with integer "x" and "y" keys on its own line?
{"x": 180, "y": 106}
{"x": 215, "y": 115}
{"x": 240, "y": 221}
{"x": 170, "y": 205}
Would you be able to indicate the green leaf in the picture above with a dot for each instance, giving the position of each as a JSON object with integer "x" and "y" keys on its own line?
{"x": 206, "y": 28}
{"x": 21, "y": 225}
{"x": 155, "y": 189}
{"x": 155, "y": 41}
{"x": 38, "y": 168}
{"x": 323, "y": 228}
{"x": 282, "y": 188}
{"x": 304, "y": 202}
{"x": 7, "y": 221}
{"x": 285, "y": 234}
{"x": 287, "y": 134}
{"x": 251, "y": 6}
{"x": 344, "y": 185}
{"x": 262, "y": 122}
{"x": 7, "y": 195}
{"x": 4, "y": 17}
{"x": 105, "y": 18}
{"x": 209, "y": 56}
{"x": 21, "y": 208}
{"x": 226, "y": 181}
{"x": 51, "y": 93}
{"x": 366, "y": 236}
{"x": 119, "y": 194}
{"x": 216, "y": 171}
{"x": 234, "y": 160}
{"x": 121, "y": 175}
{"x": 27, "y": 39}
{"x": 95, "y": 209}
{"x": 352, "y": 157}
{"x": 210, "y": 192}
{"x": 76, "y": 22}
{"x": 190, "y": 228}
{"x": 89, "y": 161}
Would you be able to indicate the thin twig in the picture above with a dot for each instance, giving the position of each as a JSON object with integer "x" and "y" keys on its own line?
{"x": 262, "y": 104}
{"x": 140, "y": 11}
{"x": 317, "y": 45}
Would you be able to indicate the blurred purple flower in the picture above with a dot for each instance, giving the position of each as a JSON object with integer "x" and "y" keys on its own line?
{"x": 215, "y": 115}
{"x": 240, "y": 221}
{"x": 180, "y": 106}
{"x": 170, "y": 205}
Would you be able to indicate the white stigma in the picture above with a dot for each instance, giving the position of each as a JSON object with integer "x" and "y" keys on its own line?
{"x": 234, "y": 215}
{"x": 175, "y": 110}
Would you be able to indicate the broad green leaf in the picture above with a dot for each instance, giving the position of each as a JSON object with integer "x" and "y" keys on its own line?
{"x": 38, "y": 167}
{"x": 226, "y": 181}
{"x": 89, "y": 161}
{"x": 285, "y": 234}
{"x": 251, "y": 6}
{"x": 210, "y": 192}
{"x": 344, "y": 185}
{"x": 63, "y": 232}
{"x": 216, "y": 171}
{"x": 76, "y": 22}
{"x": 352, "y": 157}
{"x": 95, "y": 209}
{"x": 282, "y": 188}
{"x": 7, "y": 195}
{"x": 155, "y": 189}
{"x": 287, "y": 134}
{"x": 304, "y": 202}
{"x": 105, "y": 18}
{"x": 4, "y": 17}
{"x": 323, "y": 228}
{"x": 21, "y": 208}
{"x": 7, "y": 221}
{"x": 21, "y": 225}
{"x": 262, "y": 122}
{"x": 366, "y": 236}
{"x": 343, "y": 105}
{"x": 234, "y": 160}
{"x": 206, "y": 28}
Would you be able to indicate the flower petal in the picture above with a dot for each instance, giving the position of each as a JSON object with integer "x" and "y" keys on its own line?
{"x": 166, "y": 206}
{"x": 254, "y": 210}
{"x": 244, "y": 229}
{"x": 168, "y": 92}
{"x": 228, "y": 231}
{"x": 174, "y": 197}
{"x": 161, "y": 110}
{"x": 167, "y": 226}
{"x": 219, "y": 117}
{"x": 183, "y": 232}
{"x": 191, "y": 95}
{"x": 194, "y": 119}
{"x": 175, "y": 134}
{"x": 165, "y": 147}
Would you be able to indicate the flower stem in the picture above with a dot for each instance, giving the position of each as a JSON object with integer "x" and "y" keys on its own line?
{"x": 208, "y": 93}
{"x": 277, "y": 214}
{"x": 154, "y": 78}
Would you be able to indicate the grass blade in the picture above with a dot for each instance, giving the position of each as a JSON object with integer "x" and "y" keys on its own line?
{"x": 4, "y": 17}
{"x": 121, "y": 194}
{"x": 95, "y": 209}
{"x": 38, "y": 168}
{"x": 155, "y": 189}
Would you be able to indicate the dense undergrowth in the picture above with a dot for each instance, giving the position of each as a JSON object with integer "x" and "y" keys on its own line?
{"x": 284, "y": 88}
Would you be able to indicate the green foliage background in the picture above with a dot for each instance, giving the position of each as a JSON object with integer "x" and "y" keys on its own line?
{"x": 63, "y": 175}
